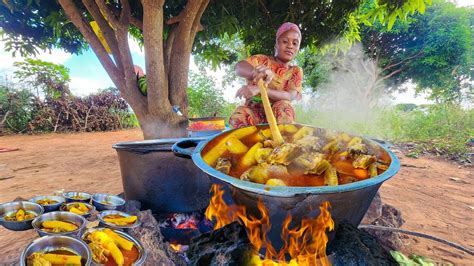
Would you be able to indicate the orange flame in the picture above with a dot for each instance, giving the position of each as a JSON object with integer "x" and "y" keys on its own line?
{"x": 175, "y": 247}
{"x": 218, "y": 209}
{"x": 187, "y": 225}
{"x": 306, "y": 244}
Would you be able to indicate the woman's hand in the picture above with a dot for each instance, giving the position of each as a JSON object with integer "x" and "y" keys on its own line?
{"x": 262, "y": 72}
{"x": 247, "y": 91}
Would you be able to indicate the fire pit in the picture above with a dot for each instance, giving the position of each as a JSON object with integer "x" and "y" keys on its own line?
{"x": 231, "y": 244}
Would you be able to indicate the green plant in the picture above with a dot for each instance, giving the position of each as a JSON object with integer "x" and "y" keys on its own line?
{"x": 49, "y": 78}
{"x": 205, "y": 99}
{"x": 17, "y": 108}
{"x": 128, "y": 120}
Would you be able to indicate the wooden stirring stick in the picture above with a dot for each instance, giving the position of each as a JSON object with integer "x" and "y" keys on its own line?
{"x": 277, "y": 138}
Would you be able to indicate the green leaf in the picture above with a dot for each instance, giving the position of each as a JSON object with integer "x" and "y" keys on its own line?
{"x": 400, "y": 258}
{"x": 421, "y": 8}
{"x": 391, "y": 21}
{"x": 257, "y": 99}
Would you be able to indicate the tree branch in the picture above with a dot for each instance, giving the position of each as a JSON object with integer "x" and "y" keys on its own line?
{"x": 125, "y": 14}
{"x": 115, "y": 12}
{"x": 388, "y": 76}
{"x": 131, "y": 94}
{"x": 168, "y": 46}
{"x": 108, "y": 13}
{"x": 189, "y": 20}
{"x": 401, "y": 62}
{"x": 75, "y": 16}
{"x": 197, "y": 26}
{"x": 365, "y": 65}
{"x": 136, "y": 22}
{"x": 108, "y": 32}
{"x": 153, "y": 41}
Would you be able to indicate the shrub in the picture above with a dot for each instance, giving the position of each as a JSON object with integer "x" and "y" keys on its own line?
{"x": 16, "y": 109}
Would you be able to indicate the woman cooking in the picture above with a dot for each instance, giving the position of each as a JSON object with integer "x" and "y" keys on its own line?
{"x": 284, "y": 81}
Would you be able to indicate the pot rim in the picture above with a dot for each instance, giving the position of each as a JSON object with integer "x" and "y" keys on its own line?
{"x": 150, "y": 144}
{"x": 286, "y": 191}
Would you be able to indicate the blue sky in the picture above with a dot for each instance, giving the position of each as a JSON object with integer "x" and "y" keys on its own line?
{"x": 87, "y": 74}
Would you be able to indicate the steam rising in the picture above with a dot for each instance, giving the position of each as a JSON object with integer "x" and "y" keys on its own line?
{"x": 350, "y": 100}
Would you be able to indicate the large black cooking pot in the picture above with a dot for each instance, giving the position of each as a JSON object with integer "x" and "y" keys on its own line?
{"x": 349, "y": 202}
{"x": 162, "y": 182}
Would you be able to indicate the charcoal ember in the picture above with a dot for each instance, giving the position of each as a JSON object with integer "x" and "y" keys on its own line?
{"x": 391, "y": 217}
{"x": 374, "y": 211}
{"x": 158, "y": 251}
{"x": 228, "y": 245}
{"x": 352, "y": 246}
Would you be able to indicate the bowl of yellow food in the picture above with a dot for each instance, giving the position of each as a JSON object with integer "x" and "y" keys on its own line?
{"x": 77, "y": 196}
{"x": 59, "y": 223}
{"x": 118, "y": 220}
{"x": 49, "y": 203}
{"x": 18, "y": 215}
{"x": 114, "y": 247}
{"x": 56, "y": 250}
{"x": 81, "y": 208}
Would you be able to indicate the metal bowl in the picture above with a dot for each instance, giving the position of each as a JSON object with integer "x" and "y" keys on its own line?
{"x": 84, "y": 197}
{"x": 141, "y": 249}
{"x": 65, "y": 206}
{"x": 49, "y": 207}
{"x": 9, "y": 207}
{"x": 104, "y": 202}
{"x": 112, "y": 225}
{"x": 52, "y": 243}
{"x": 60, "y": 216}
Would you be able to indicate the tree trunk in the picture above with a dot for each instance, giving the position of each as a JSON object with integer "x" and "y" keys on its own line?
{"x": 167, "y": 64}
{"x": 152, "y": 126}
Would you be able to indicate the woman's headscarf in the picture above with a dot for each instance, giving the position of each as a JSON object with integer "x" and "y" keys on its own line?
{"x": 286, "y": 27}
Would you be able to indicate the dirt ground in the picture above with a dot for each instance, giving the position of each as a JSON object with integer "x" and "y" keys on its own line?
{"x": 435, "y": 196}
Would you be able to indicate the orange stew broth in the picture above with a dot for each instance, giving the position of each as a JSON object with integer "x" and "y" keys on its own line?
{"x": 129, "y": 257}
{"x": 346, "y": 172}
{"x": 62, "y": 252}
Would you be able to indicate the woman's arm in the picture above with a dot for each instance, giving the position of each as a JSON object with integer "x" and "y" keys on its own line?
{"x": 249, "y": 91}
{"x": 245, "y": 70}
{"x": 283, "y": 95}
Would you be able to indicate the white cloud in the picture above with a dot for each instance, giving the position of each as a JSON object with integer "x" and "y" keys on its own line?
{"x": 410, "y": 96}
{"x": 6, "y": 58}
{"x": 83, "y": 86}
{"x": 135, "y": 47}
{"x": 56, "y": 56}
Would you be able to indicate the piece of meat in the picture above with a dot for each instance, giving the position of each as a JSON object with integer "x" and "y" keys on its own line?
{"x": 223, "y": 165}
{"x": 284, "y": 154}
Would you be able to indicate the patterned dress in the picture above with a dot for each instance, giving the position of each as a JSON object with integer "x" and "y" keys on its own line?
{"x": 285, "y": 78}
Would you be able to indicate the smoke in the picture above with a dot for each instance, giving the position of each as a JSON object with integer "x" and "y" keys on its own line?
{"x": 352, "y": 97}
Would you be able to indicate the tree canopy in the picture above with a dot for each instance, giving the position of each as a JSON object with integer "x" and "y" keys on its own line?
{"x": 171, "y": 30}
{"x": 433, "y": 50}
